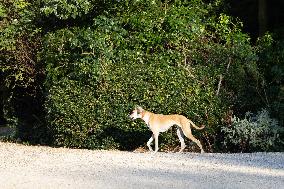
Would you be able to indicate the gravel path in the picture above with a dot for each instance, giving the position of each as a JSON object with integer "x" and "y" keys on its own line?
{"x": 44, "y": 167}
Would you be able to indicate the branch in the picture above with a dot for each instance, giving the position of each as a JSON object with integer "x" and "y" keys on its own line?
{"x": 219, "y": 85}
{"x": 221, "y": 76}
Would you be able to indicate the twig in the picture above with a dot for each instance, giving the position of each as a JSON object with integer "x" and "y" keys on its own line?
{"x": 221, "y": 76}
{"x": 219, "y": 84}
{"x": 208, "y": 141}
{"x": 87, "y": 53}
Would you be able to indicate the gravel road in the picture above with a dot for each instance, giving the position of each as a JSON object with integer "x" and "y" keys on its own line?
{"x": 44, "y": 167}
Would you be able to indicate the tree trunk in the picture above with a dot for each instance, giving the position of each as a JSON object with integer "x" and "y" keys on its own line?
{"x": 262, "y": 17}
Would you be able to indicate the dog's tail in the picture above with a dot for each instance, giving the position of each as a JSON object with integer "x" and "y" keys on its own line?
{"x": 193, "y": 125}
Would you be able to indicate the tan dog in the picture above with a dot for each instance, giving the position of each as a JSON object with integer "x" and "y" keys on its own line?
{"x": 161, "y": 123}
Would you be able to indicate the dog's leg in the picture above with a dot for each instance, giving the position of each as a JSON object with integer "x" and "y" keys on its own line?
{"x": 156, "y": 135}
{"x": 181, "y": 139}
{"x": 189, "y": 135}
{"x": 149, "y": 143}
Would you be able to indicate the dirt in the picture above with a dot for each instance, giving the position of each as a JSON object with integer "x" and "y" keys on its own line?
{"x": 45, "y": 167}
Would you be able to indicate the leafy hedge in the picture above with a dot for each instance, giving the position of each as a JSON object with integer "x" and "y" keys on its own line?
{"x": 166, "y": 57}
{"x": 271, "y": 64}
{"x": 21, "y": 75}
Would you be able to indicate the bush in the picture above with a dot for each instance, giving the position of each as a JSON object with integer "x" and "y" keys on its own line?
{"x": 253, "y": 133}
{"x": 21, "y": 74}
{"x": 167, "y": 58}
{"x": 92, "y": 94}
{"x": 271, "y": 64}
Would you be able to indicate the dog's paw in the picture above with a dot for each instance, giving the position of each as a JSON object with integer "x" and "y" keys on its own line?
{"x": 154, "y": 152}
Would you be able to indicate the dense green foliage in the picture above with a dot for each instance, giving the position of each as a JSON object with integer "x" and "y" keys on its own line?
{"x": 21, "y": 75}
{"x": 166, "y": 58}
{"x": 101, "y": 58}
{"x": 271, "y": 64}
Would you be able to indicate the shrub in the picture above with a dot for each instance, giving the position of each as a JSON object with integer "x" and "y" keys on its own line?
{"x": 253, "y": 133}
{"x": 271, "y": 64}
{"x": 89, "y": 99}
{"x": 21, "y": 74}
{"x": 164, "y": 57}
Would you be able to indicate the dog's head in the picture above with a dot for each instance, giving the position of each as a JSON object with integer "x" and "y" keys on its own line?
{"x": 136, "y": 113}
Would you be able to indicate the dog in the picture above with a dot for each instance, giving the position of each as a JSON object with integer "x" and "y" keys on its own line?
{"x": 158, "y": 123}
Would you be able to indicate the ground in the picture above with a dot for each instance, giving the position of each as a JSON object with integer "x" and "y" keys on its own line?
{"x": 45, "y": 167}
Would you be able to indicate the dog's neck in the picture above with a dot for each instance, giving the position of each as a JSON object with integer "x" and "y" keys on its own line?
{"x": 146, "y": 117}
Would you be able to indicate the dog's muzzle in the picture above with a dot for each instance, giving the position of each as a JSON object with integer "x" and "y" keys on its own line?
{"x": 132, "y": 118}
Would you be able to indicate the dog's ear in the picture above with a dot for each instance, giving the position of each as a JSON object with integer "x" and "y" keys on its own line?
{"x": 139, "y": 109}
